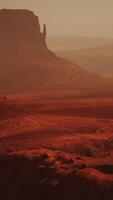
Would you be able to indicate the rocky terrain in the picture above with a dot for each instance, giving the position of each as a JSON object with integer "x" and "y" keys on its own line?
{"x": 59, "y": 148}
{"x": 56, "y": 120}
{"x": 53, "y": 175}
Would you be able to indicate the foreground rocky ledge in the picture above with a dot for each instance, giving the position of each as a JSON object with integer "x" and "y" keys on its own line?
{"x": 46, "y": 174}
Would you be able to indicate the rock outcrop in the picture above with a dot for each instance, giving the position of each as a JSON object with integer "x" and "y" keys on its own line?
{"x": 20, "y": 34}
{"x": 27, "y": 65}
{"x": 51, "y": 175}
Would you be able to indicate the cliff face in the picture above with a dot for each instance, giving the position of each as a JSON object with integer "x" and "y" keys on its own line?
{"x": 20, "y": 33}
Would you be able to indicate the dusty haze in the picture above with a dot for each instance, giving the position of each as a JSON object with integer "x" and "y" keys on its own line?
{"x": 74, "y": 17}
{"x": 56, "y": 119}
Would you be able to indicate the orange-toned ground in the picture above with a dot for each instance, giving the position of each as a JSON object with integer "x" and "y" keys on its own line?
{"x": 56, "y": 146}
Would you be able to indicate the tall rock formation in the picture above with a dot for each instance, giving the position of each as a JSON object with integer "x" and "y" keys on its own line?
{"x": 45, "y": 32}
{"x": 26, "y": 64}
{"x": 20, "y": 34}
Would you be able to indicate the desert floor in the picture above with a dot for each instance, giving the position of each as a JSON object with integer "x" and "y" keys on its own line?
{"x": 68, "y": 137}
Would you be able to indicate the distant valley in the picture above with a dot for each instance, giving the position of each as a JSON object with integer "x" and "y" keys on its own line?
{"x": 92, "y": 54}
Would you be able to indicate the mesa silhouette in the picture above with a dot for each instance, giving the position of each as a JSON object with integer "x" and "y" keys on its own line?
{"x": 26, "y": 64}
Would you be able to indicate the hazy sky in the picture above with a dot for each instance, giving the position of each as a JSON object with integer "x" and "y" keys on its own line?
{"x": 70, "y": 17}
